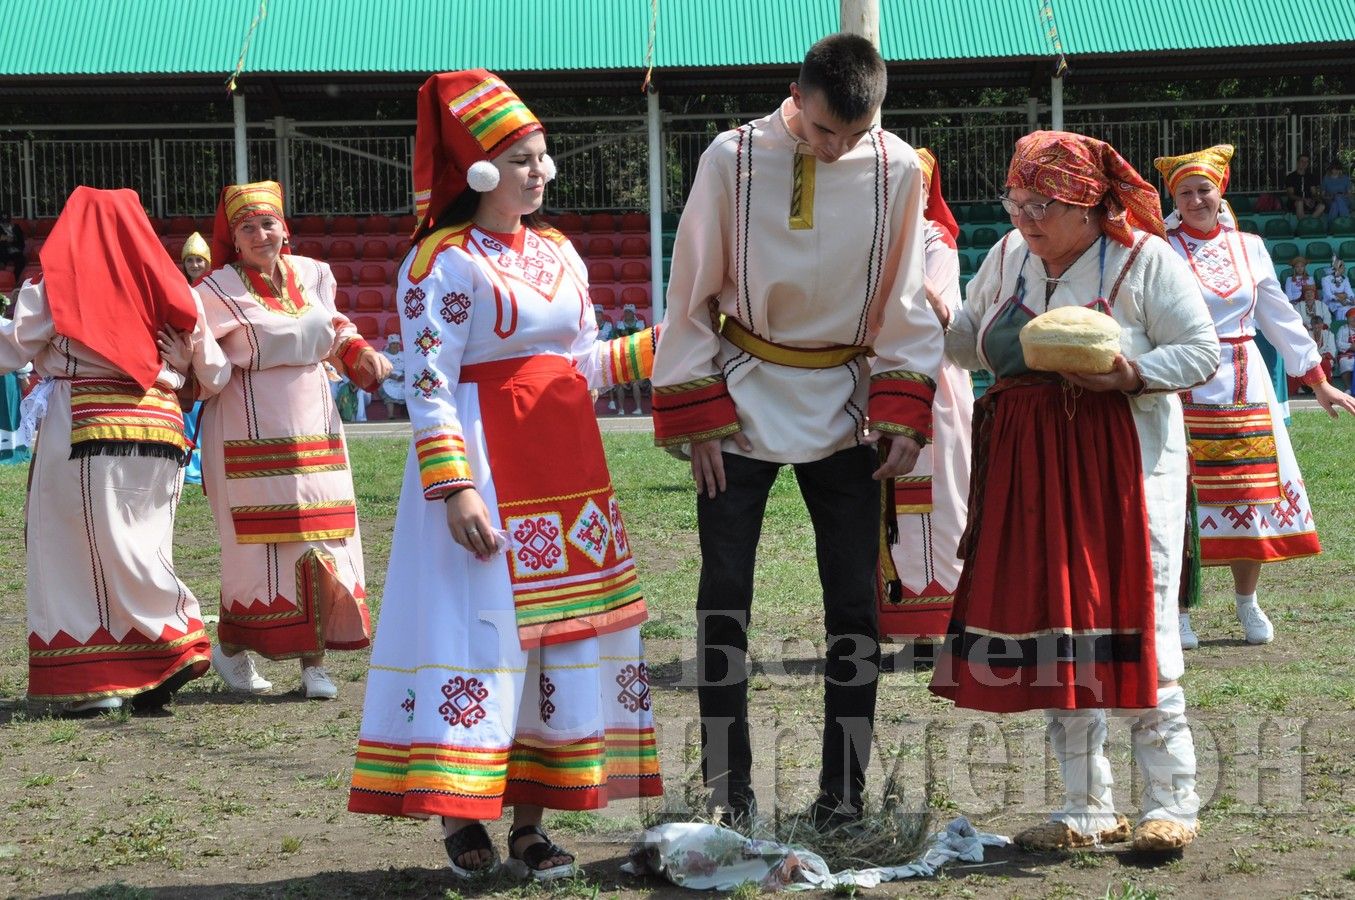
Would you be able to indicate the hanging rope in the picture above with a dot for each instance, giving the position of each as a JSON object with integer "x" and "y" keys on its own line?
{"x": 1051, "y": 34}
{"x": 649, "y": 53}
{"x": 244, "y": 47}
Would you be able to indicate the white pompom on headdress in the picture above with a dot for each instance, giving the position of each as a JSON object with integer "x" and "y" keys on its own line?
{"x": 482, "y": 176}
{"x": 548, "y": 165}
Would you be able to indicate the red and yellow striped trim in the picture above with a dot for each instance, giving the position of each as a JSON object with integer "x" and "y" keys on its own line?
{"x": 913, "y": 494}
{"x": 492, "y": 113}
{"x": 296, "y": 455}
{"x": 1233, "y": 456}
{"x": 631, "y": 358}
{"x": 901, "y": 403}
{"x": 284, "y": 522}
{"x": 432, "y": 245}
{"x": 112, "y": 409}
{"x": 443, "y": 466}
{"x": 699, "y": 410}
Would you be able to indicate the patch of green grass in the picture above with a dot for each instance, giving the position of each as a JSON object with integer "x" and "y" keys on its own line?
{"x": 290, "y": 844}
{"x": 1127, "y": 890}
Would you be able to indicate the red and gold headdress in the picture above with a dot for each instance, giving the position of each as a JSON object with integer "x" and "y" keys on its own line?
{"x": 465, "y": 119}
{"x": 936, "y": 210}
{"x": 238, "y": 202}
{"x": 1212, "y": 163}
{"x": 1083, "y": 171}
{"x": 196, "y": 246}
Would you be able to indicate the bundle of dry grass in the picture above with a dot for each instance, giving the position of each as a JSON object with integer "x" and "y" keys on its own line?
{"x": 891, "y": 832}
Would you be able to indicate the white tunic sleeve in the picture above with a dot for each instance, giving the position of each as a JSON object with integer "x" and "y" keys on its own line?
{"x": 1185, "y": 344}
{"x": 1278, "y": 321}
{"x": 24, "y": 336}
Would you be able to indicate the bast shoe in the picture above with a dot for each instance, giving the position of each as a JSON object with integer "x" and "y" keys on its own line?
{"x": 1049, "y": 836}
{"x": 239, "y": 673}
{"x": 316, "y": 684}
{"x": 1162, "y": 836}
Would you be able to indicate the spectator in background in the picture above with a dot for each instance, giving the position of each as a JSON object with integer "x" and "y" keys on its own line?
{"x": 1336, "y": 290}
{"x": 1298, "y": 278}
{"x": 11, "y": 245}
{"x": 630, "y": 324}
{"x": 606, "y": 331}
{"x": 392, "y": 390}
{"x": 1303, "y": 191}
{"x": 1345, "y": 351}
{"x": 196, "y": 258}
{"x": 1336, "y": 191}
{"x": 350, "y": 399}
{"x": 1326, "y": 348}
{"x": 1309, "y": 307}
{"x": 13, "y": 446}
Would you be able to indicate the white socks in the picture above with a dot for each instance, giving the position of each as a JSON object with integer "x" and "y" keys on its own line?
{"x": 1245, "y": 600}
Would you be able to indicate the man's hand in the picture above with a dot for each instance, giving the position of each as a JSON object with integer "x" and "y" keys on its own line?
{"x": 1120, "y": 378}
{"x": 708, "y": 466}
{"x": 372, "y": 368}
{"x": 901, "y": 457}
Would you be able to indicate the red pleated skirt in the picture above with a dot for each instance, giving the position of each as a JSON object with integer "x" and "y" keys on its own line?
{"x": 1054, "y": 608}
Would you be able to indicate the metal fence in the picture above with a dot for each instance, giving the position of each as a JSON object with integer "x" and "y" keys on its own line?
{"x": 603, "y": 165}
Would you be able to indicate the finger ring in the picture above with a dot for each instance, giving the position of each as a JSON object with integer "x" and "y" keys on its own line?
{"x": 472, "y": 530}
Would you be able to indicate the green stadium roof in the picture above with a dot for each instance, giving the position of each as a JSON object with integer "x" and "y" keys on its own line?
{"x": 55, "y": 38}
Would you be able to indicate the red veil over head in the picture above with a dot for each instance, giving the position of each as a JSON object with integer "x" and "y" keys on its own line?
{"x": 110, "y": 283}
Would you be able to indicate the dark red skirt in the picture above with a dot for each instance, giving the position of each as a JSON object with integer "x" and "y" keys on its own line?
{"x": 1054, "y": 609}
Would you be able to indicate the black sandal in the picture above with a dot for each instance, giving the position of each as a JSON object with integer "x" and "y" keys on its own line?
{"x": 468, "y": 839}
{"x": 529, "y": 864}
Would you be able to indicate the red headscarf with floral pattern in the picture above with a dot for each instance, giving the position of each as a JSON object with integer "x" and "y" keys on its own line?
{"x": 1082, "y": 171}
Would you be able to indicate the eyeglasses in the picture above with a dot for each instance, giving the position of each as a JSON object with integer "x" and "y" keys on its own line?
{"x": 1035, "y": 211}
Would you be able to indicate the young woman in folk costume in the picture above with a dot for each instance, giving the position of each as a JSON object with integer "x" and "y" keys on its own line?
{"x": 196, "y": 261}
{"x": 1253, "y": 506}
{"x": 1072, "y": 553}
{"x": 932, "y": 501}
{"x": 508, "y": 668}
{"x": 275, "y": 464}
{"x": 108, "y": 617}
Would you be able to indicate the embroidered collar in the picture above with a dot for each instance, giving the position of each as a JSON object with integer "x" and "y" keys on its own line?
{"x": 1202, "y": 235}
{"x": 290, "y": 301}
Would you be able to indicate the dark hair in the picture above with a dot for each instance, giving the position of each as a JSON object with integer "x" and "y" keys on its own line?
{"x": 848, "y": 73}
{"x": 463, "y": 208}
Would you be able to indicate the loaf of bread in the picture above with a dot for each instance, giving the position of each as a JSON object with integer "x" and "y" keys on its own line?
{"x": 1071, "y": 339}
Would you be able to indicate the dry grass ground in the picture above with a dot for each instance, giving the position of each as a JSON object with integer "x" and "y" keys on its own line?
{"x": 246, "y": 797}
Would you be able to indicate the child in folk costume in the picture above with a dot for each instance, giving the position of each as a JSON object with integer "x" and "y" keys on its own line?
{"x": 393, "y": 388}
{"x": 275, "y": 460}
{"x": 1309, "y": 307}
{"x": 1345, "y": 350}
{"x": 932, "y": 501}
{"x": 196, "y": 261}
{"x": 108, "y": 617}
{"x": 1298, "y": 279}
{"x": 1336, "y": 290}
{"x": 508, "y": 669}
{"x": 1253, "y": 507}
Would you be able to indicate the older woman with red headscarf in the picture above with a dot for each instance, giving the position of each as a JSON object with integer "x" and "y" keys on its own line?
{"x": 275, "y": 464}
{"x": 1073, "y": 550}
{"x": 108, "y": 618}
{"x": 1253, "y": 505}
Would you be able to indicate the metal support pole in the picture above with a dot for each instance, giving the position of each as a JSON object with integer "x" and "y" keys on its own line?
{"x": 241, "y": 147}
{"x": 1056, "y": 103}
{"x": 656, "y": 281}
{"x": 1032, "y": 113}
{"x": 861, "y": 17}
{"x": 28, "y": 187}
{"x": 1294, "y": 142}
{"x": 281, "y": 150}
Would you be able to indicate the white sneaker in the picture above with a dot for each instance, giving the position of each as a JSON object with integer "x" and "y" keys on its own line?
{"x": 100, "y": 704}
{"x": 611, "y": 405}
{"x": 1255, "y": 624}
{"x": 1189, "y": 639}
{"x": 239, "y": 673}
{"x": 315, "y": 684}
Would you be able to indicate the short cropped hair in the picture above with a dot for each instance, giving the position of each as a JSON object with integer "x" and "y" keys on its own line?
{"x": 848, "y": 72}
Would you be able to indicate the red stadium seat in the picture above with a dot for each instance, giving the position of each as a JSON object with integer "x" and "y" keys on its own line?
{"x": 634, "y": 221}
{"x": 369, "y": 301}
{"x": 634, "y": 270}
{"x": 375, "y": 250}
{"x": 570, "y": 223}
{"x": 366, "y": 326}
{"x": 400, "y": 249}
{"x": 377, "y": 226}
{"x": 405, "y": 225}
{"x": 600, "y": 248}
{"x": 390, "y": 325}
{"x": 342, "y": 250}
{"x": 343, "y": 300}
{"x": 600, "y": 271}
{"x": 601, "y": 223}
{"x": 388, "y": 297}
{"x": 43, "y": 227}
{"x": 313, "y": 249}
{"x": 310, "y": 226}
{"x": 371, "y": 274}
{"x": 635, "y": 247}
{"x": 182, "y": 226}
{"x": 343, "y": 225}
{"x": 343, "y": 275}
{"x": 635, "y": 294}
{"x": 603, "y": 296}
{"x": 6, "y": 281}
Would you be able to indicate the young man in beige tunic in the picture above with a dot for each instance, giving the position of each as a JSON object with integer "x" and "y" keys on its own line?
{"x": 798, "y": 333}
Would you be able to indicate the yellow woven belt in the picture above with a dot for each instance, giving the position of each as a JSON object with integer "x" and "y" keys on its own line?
{"x": 737, "y": 334}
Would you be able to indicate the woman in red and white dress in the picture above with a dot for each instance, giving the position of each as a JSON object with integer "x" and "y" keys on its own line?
{"x": 1253, "y": 507}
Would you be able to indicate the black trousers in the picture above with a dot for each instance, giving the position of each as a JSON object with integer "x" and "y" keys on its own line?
{"x": 844, "y": 507}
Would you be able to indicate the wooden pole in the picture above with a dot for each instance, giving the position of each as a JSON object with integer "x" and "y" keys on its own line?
{"x": 241, "y": 146}
{"x": 861, "y": 17}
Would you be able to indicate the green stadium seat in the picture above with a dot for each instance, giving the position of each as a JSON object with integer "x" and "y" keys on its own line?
{"x": 1242, "y": 204}
{"x": 962, "y": 240}
{"x": 983, "y": 237}
{"x": 1284, "y": 251}
{"x": 1342, "y": 226}
{"x": 966, "y": 265}
{"x": 670, "y": 221}
{"x": 1318, "y": 273}
{"x": 1347, "y": 251}
{"x": 1319, "y": 250}
{"x": 1278, "y": 227}
{"x": 1283, "y": 273}
{"x": 1311, "y": 227}
{"x": 981, "y": 214}
{"x": 960, "y": 212}
{"x": 1248, "y": 225}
